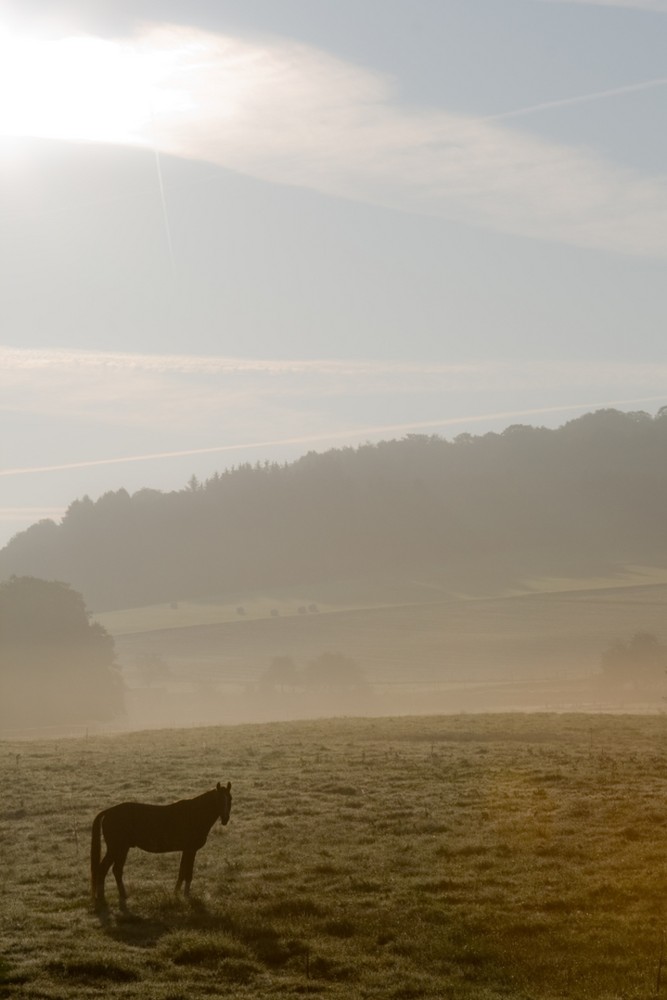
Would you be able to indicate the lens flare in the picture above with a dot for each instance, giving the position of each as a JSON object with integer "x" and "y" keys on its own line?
{"x": 86, "y": 89}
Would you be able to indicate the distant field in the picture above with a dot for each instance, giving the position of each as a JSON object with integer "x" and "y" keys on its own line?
{"x": 551, "y": 639}
{"x": 520, "y": 856}
{"x": 345, "y": 595}
{"x": 350, "y": 595}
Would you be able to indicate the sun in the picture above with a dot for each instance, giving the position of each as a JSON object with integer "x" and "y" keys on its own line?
{"x": 85, "y": 89}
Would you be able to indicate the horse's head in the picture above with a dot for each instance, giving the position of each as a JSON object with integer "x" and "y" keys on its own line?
{"x": 224, "y": 802}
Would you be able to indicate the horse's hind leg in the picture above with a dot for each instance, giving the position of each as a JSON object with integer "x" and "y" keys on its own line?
{"x": 118, "y": 864}
{"x": 102, "y": 871}
{"x": 185, "y": 871}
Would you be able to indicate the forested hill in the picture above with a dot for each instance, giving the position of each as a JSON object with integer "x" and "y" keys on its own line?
{"x": 588, "y": 495}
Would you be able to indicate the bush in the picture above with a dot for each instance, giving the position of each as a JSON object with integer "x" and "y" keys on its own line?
{"x": 640, "y": 662}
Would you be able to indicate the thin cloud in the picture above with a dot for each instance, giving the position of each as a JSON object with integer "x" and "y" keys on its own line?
{"x": 76, "y": 361}
{"x": 300, "y": 117}
{"x": 193, "y": 393}
{"x": 357, "y": 433}
{"x": 658, "y": 6}
{"x": 172, "y": 390}
{"x": 21, "y": 514}
{"x": 565, "y": 102}
{"x": 291, "y": 114}
{"x": 63, "y": 359}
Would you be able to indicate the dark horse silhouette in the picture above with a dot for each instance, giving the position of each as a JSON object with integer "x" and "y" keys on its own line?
{"x": 180, "y": 826}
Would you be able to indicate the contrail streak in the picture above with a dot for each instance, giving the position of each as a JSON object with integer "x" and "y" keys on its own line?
{"x": 582, "y": 99}
{"x": 359, "y": 432}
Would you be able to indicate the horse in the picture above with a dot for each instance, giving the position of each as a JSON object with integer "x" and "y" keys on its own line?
{"x": 179, "y": 826}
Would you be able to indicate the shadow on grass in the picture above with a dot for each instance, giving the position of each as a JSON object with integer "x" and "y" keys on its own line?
{"x": 8, "y": 980}
{"x": 163, "y": 917}
{"x": 93, "y": 971}
{"x": 144, "y": 930}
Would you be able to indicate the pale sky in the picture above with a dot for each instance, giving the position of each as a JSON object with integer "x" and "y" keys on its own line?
{"x": 238, "y": 230}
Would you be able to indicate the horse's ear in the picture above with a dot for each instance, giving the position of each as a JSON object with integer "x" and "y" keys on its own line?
{"x": 218, "y": 786}
{"x": 229, "y": 786}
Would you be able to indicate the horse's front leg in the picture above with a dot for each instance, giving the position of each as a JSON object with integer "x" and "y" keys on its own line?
{"x": 185, "y": 871}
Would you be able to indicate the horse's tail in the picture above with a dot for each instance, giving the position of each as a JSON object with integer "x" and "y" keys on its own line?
{"x": 95, "y": 852}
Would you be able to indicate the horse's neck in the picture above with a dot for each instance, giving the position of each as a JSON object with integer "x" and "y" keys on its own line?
{"x": 208, "y": 805}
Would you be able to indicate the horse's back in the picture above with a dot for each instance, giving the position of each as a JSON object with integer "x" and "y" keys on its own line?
{"x": 157, "y": 829}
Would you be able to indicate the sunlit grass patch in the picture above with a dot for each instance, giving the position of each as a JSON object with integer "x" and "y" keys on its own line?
{"x": 412, "y": 989}
{"x": 206, "y": 948}
{"x": 271, "y": 949}
{"x": 329, "y": 868}
{"x": 365, "y": 886}
{"x": 340, "y": 928}
{"x": 296, "y": 906}
{"x": 326, "y": 967}
{"x": 219, "y": 953}
{"x": 336, "y": 789}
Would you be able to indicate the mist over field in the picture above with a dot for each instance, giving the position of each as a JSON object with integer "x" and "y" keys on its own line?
{"x": 230, "y": 233}
{"x": 526, "y": 569}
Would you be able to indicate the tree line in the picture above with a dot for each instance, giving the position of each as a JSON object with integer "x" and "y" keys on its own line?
{"x": 529, "y": 500}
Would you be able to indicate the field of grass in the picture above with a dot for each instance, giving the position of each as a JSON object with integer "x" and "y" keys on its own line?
{"x": 354, "y": 595}
{"x": 499, "y": 856}
{"x": 536, "y": 649}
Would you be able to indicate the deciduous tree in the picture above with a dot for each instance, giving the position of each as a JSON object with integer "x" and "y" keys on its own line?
{"x": 56, "y": 666}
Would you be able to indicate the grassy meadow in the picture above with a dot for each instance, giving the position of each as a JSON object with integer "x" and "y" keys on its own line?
{"x": 466, "y": 856}
{"x": 423, "y": 647}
